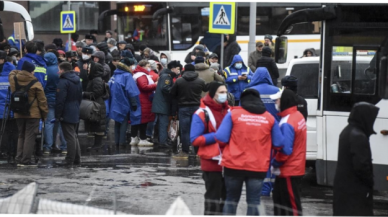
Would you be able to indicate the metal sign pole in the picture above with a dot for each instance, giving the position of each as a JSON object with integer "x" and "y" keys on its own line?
{"x": 222, "y": 52}
{"x": 69, "y": 40}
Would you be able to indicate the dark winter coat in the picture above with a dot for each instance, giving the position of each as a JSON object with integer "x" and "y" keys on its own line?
{"x": 188, "y": 59}
{"x": 187, "y": 90}
{"x": 302, "y": 106}
{"x": 101, "y": 60}
{"x": 146, "y": 89}
{"x": 83, "y": 74}
{"x": 163, "y": 102}
{"x": 68, "y": 98}
{"x": 353, "y": 181}
{"x": 95, "y": 91}
{"x": 52, "y": 76}
{"x": 267, "y": 62}
{"x": 230, "y": 50}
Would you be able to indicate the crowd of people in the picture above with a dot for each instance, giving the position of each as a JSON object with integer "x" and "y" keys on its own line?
{"x": 243, "y": 127}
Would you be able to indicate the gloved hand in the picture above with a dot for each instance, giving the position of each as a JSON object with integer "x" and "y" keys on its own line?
{"x": 53, "y": 120}
{"x": 134, "y": 107}
{"x": 275, "y": 171}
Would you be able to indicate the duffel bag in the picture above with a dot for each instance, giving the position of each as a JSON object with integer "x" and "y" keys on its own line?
{"x": 90, "y": 110}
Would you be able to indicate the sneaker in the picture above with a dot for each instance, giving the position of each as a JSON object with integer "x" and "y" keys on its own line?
{"x": 46, "y": 151}
{"x": 181, "y": 155}
{"x": 145, "y": 143}
{"x": 64, "y": 152}
{"x": 134, "y": 141}
{"x": 29, "y": 164}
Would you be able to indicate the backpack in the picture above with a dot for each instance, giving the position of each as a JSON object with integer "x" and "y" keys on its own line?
{"x": 19, "y": 98}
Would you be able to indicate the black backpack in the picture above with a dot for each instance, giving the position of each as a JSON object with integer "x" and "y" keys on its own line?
{"x": 19, "y": 98}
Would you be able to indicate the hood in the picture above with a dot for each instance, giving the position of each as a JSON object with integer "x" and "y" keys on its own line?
{"x": 36, "y": 59}
{"x": 238, "y": 58}
{"x": 96, "y": 70}
{"x": 201, "y": 66}
{"x": 7, "y": 68}
{"x": 267, "y": 51}
{"x": 363, "y": 115}
{"x": 168, "y": 57}
{"x": 232, "y": 38}
{"x": 122, "y": 67}
{"x": 312, "y": 50}
{"x": 141, "y": 69}
{"x": 152, "y": 64}
{"x": 100, "y": 55}
{"x": 50, "y": 59}
{"x": 261, "y": 76}
{"x": 190, "y": 75}
{"x": 288, "y": 100}
{"x": 199, "y": 47}
{"x": 23, "y": 76}
{"x": 251, "y": 101}
{"x": 71, "y": 76}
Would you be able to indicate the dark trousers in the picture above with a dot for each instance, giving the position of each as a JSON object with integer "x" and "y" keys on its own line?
{"x": 10, "y": 138}
{"x": 286, "y": 196}
{"x": 27, "y": 128}
{"x": 215, "y": 194}
{"x": 162, "y": 121}
{"x": 185, "y": 116}
{"x": 73, "y": 148}
{"x": 142, "y": 128}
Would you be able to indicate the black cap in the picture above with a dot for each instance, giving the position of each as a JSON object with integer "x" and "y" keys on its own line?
{"x": 89, "y": 36}
{"x": 213, "y": 87}
{"x": 93, "y": 31}
{"x": 87, "y": 50}
{"x": 213, "y": 55}
{"x": 127, "y": 53}
{"x": 189, "y": 67}
{"x": 50, "y": 47}
{"x": 128, "y": 61}
{"x": 74, "y": 36}
{"x": 142, "y": 47}
{"x": 173, "y": 64}
{"x": 70, "y": 54}
{"x": 3, "y": 54}
{"x": 13, "y": 51}
{"x": 268, "y": 36}
{"x": 109, "y": 31}
{"x": 29, "y": 67}
{"x": 199, "y": 59}
{"x": 290, "y": 81}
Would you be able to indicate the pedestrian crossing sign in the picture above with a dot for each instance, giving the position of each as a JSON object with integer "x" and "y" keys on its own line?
{"x": 68, "y": 22}
{"x": 222, "y": 17}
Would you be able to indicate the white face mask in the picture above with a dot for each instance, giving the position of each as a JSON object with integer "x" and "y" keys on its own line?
{"x": 222, "y": 97}
{"x": 163, "y": 61}
{"x": 133, "y": 67}
{"x": 85, "y": 57}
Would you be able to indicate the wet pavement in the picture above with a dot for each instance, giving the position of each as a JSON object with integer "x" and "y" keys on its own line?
{"x": 143, "y": 181}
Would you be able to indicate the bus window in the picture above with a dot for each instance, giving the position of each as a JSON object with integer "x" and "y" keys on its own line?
{"x": 186, "y": 27}
{"x": 307, "y": 75}
{"x": 341, "y": 68}
{"x": 365, "y": 82}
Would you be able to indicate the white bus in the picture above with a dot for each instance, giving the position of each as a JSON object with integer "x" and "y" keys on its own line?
{"x": 17, "y": 8}
{"x": 361, "y": 32}
{"x": 180, "y": 27}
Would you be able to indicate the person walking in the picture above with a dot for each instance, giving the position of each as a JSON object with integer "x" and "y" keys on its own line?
{"x": 248, "y": 134}
{"x": 206, "y": 120}
{"x": 290, "y": 161}
{"x": 163, "y": 105}
{"x": 238, "y": 76}
{"x": 146, "y": 87}
{"x": 28, "y": 123}
{"x": 268, "y": 62}
{"x": 187, "y": 91}
{"x": 67, "y": 106}
{"x": 122, "y": 100}
{"x": 95, "y": 92}
{"x": 353, "y": 180}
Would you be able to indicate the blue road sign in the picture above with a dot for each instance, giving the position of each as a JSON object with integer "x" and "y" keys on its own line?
{"x": 222, "y": 17}
{"x": 68, "y": 22}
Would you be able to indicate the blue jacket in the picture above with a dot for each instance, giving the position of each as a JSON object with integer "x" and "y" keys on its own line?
{"x": 235, "y": 86}
{"x": 52, "y": 76}
{"x": 40, "y": 67}
{"x": 68, "y": 98}
{"x": 15, "y": 42}
{"x": 122, "y": 88}
{"x": 4, "y": 84}
{"x": 262, "y": 82}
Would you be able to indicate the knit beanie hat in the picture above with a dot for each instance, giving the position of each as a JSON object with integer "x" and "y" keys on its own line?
{"x": 213, "y": 87}
{"x": 199, "y": 59}
{"x": 29, "y": 67}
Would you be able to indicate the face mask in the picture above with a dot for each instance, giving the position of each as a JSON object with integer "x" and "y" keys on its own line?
{"x": 163, "y": 61}
{"x": 133, "y": 67}
{"x": 238, "y": 65}
{"x": 222, "y": 97}
{"x": 277, "y": 107}
{"x": 148, "y": 69}
{"x": 85, "y": 57}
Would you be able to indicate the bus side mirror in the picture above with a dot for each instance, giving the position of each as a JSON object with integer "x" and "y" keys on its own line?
{"x": 383, "y": 78}
{"x": 281, "y": 45}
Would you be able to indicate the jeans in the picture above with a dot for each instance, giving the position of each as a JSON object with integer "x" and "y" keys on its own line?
{"x": 50, "y": 131}
{"x": 163, "y": 127}
{"x": 233, "y": 193}
{"x": 150, "y": 128}
{"x": 185, "y": 116}
{"x": 121, "y": 131}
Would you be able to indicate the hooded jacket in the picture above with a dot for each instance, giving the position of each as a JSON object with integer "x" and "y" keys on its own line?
{"x": 40, "y": 66}
{"x": 4, "y": 84}
{"x": 353, "y": 181}
{"x": 52, "y": 77}
{"x": 39, "y": 107}
{"x": 137, "y": 56}
{"x": 123, "y": 94}
{"x": 163, "y": 102}
{"x": 68, "y": 98}
{"x": 95, "y": 91}
{"x": 248, "y": 132}
{"x": 207, "y": 74}
{"x": 146, "y": 88}
{"x": 253, "y": 57}
{"x": 187, "y": 90}
{"x": 202, "y": 133}
{"x": 168, "y": 59}
{"x": 83, "y": 74}
{"x": 235, "y": 86}
{"x": 262, "y": 82}
{"x": 231, "y": 49}
{"x": 312, "y": 50}
{"x": 267, "y": 62}
{"x": 188, "y": 59}
{"x": 101, "y": 60}
{"x": 291, "y": 159}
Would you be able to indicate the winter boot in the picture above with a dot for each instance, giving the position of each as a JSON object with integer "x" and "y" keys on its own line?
{"x": 97, "y": 142}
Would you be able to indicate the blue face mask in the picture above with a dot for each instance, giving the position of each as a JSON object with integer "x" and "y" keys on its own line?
{"x": 163, "y": 61}
{"x": 238, "y": 65}
{"x": 222, "y": 97}
{"x": 148, "y": 69}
